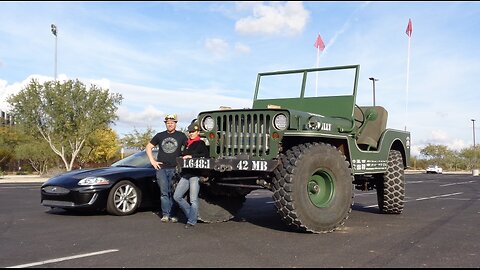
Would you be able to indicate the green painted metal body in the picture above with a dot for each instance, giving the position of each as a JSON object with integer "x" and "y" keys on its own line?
{"x": 251, "y": 134}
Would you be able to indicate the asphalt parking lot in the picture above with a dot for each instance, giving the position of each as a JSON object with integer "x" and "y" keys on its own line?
{"x": 439, "y": 228}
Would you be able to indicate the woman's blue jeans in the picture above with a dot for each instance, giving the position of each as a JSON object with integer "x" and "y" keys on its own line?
{"x": 190, "y": 210}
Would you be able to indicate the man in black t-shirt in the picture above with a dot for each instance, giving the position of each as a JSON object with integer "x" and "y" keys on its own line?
{"x": 170, "y": 145}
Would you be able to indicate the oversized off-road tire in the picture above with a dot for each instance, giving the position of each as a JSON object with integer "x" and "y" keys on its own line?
{"x": 391, "y": 185}
{"x": 218, "y": 209}
{"x": 214, "y": 203}
{"x": 124, "y": 199}
{"x": 313, "y": 188}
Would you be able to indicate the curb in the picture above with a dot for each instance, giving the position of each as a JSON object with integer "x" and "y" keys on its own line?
{"x": 22, "y": 179}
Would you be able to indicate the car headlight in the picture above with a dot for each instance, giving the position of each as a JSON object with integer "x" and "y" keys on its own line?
{"x": 93, "y": 181}
{"x": 280, "y": 122}
{"x": 208, "y": 123}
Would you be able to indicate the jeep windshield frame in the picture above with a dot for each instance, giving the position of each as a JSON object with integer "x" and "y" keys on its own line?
{"x": 335, "y": 105}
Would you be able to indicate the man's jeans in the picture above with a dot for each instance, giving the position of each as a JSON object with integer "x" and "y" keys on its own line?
{"x": 191, "y": 211}
{"x": 164, "y": 181}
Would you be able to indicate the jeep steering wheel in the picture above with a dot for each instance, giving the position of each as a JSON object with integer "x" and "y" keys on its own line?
{"x": 362, "y": 121}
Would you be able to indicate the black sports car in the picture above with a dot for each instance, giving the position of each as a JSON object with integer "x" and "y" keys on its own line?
{"x": 120, "y": 189}
{"x": 125, "y": 186}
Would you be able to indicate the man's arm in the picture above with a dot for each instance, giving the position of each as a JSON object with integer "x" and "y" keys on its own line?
{"x": 154, "y": 163}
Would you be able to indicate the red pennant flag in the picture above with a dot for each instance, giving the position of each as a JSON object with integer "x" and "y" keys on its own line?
{"x": 319, "y": 43}
{"x": 409, "y": 28}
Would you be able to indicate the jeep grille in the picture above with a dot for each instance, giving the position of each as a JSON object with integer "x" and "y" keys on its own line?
{"x": 244, "y": 134}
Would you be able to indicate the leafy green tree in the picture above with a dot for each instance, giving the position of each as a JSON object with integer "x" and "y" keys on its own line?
{"x": 469, "y": 157}
{"x": 421, "y": 164}
{"x": 101, "y": 146}
{"x": 64, "y": 114}
{"x": 9, "y": 138}
{"x": 450, "y": 160}
{"x": 37, "y": 153}
{"x": 138, "y": 140}
{"x": 434, "y": 151}
{"x": 447, "y": 158}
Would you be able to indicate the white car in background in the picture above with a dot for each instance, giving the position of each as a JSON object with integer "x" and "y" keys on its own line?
{"x": 434, "y": 169}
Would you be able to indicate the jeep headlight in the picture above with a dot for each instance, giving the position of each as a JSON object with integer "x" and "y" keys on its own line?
{"x": 280, "y": 121}
{"x": 93, "y": 181}
{"x": 208, "y": 123}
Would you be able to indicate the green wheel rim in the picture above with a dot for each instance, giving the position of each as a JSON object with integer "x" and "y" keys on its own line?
{"x": 321, "y": 188}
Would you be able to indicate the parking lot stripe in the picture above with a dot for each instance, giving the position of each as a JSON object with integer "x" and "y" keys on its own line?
{"x": 459, "y": 183}
{"x": 63, "y": 259}
{"x": 422, "y": 199}
{"x": 439, "y": 196}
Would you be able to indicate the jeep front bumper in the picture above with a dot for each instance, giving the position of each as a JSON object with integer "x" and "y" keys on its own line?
{"x": 228, "y": 164}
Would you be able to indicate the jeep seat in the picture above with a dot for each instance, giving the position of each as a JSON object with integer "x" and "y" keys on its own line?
{"x": 370, "y": 134}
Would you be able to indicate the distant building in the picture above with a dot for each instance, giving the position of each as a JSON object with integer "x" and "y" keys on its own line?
{"x": 6, "y": 119}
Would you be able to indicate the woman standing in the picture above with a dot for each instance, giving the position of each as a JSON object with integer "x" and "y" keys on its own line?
{"x": 196, "y": 148}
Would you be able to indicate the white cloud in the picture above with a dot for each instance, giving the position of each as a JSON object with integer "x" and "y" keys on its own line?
{"x": 146, "y": 118}
{"x": 439, "y": 137}
{"x": 7, "y": 90}
{"x": 443, "y": 138}
{"x": 146, "y": 106}
{"x": 415, "y": 150}
{"x": 222, "y": 49}
{"x": 103, "y": 83}
{"x": 282, "y": 19}
{"x": 217, "y": 46}
{"x": 242, "y": 48}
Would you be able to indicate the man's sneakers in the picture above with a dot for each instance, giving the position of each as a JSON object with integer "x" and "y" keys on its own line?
{"x": 166, "y": 219}
{"x": 189, "y": 226}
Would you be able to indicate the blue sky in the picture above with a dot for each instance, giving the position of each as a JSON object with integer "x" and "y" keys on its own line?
{"x": 186, "y": 57}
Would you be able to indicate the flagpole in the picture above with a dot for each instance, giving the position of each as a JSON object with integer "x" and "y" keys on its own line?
{"x": 320, "y": 46}
{"x": 316, "y": 73}
{"x": 408, "y": 76}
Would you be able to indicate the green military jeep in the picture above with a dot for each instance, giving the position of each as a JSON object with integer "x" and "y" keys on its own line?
{"x": 307, "y": 142}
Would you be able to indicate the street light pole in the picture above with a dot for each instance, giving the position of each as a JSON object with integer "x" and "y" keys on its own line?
{"x": 474, "y": 152}
{"x": 373, "y": 80}
{"x": 54, "y": 32}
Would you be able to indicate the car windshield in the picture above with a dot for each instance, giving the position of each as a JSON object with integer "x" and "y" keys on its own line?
{"x": 139, "y": 160}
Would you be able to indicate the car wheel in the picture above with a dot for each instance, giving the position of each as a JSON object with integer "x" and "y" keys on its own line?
{"x": 124, "y": 199}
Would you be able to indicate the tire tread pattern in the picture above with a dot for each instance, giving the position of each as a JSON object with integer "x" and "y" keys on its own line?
{"x": 391, "y": 189}
{"x": 283, "y": 185}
